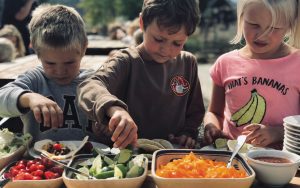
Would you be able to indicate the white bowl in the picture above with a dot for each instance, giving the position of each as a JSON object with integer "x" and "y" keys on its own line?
{"x": 292, "y": 129}
{"x": 162, "y": 157}
{"x": 246, "y": 147}
{"x": 273, "y": 174}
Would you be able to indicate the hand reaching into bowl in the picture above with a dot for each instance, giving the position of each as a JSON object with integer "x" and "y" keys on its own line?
{"x": 261, "y": 135}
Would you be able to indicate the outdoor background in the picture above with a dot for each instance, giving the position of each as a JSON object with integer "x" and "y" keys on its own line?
{"x": 210, "y": 40}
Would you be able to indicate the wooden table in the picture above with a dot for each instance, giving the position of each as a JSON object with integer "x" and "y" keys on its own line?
{"x": 99, "y": 45}
{"x": 10, "y": 71}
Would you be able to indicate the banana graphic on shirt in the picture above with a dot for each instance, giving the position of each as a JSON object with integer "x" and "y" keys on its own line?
{"x": 252, "y": 112}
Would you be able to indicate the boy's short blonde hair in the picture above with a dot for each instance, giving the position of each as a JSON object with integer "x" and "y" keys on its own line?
{"x": 287, "y": 11}
{"x": 57, "y": 27}
{"x": 12, "y": 31}
{"x": 7, "y": 52}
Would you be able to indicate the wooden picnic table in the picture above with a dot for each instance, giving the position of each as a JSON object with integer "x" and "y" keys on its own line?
{"x": 99, "y": 45}
{"x": 10, "y": 71}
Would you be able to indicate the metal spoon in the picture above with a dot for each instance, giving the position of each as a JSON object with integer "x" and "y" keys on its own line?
{"x": 240, "y": 142}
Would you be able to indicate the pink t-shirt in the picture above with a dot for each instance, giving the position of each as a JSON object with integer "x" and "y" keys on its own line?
{"x": 256, "y": 90}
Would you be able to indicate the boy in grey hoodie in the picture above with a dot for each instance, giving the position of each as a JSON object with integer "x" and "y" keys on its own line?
{"x": 45, "y": 97}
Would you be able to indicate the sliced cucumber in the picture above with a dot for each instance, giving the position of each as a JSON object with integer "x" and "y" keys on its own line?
{"x": 96, "y": 166}
{"x": 120, "y": 171}
{"x": 124, "y": 156}
{"x": 135, "y": 171}
{"x": 84, "y": 170}
{"x": 221, "y": 143}
{"x": 108, "y": 160}
{"x": 104, "y": 175}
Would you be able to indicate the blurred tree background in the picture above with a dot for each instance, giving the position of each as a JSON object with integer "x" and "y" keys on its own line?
{"x": 211, "y": 39}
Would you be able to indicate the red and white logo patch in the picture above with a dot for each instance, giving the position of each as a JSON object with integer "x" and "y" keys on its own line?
{"x": 179, "y": 85}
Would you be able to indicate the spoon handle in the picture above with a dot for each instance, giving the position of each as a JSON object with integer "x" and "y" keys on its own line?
{"x": 240, "y": 142}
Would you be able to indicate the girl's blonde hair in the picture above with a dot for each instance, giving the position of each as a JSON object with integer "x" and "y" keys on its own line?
{"x": 57, "y": 27}
{"x": 286, "y": 10}
{"x": 7, "y": 52}
{"x": 12, "y": 31}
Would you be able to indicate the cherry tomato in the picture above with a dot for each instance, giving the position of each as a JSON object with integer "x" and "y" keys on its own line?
{"x": 29, "y": 163}
{"x": 13, "y": 171}
{"x": 28, "y": 176}
{"x": 41, "y": 167}
{"x": 50, "y": 175}
{"x": 57, "y": 169}
{"x": 20, "y": 166}
{"x": 33, "y": 167}
{"x": 39, "y": 173}
{"x": 57, "y": 146}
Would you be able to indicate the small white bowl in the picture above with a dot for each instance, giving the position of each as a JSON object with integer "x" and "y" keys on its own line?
{"x": 292, "y": 120}
{"x": 273, "y": 174}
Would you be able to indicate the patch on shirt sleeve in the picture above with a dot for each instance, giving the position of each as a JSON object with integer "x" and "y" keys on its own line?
{"x": 179, "y": 85}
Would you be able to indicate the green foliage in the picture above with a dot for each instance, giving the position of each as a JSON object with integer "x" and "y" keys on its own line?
{"x": 102, "y": 12}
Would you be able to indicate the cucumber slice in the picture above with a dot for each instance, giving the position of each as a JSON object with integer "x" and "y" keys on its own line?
{"x": 221, "y": 143}
{"x": 120, "y": 171}
{"x": 96, "y": 166}
{"x": 124, "y": 156}
{"x": 135, "y": 171}
{"x": 84, "y": 170}
{"x": 105, "y": 175}
{"x": 108, "y": 160}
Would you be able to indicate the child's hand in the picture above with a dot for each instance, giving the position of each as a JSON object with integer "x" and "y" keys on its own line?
{"x": 123, "y": 127}
{"x": 261, "y": 135}
{"x": 211, "y": 133}
{"x": 44, "y": 109}
{"x": 184, "y": 141}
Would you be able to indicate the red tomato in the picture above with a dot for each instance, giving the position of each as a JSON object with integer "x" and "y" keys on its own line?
{"x": 20, "y": 166}
{"x": 50, "y": 175}
{"x": 41, "y": 167}
{"x": 24, "y": 162}
{"x": 29, "y": 163}
{"x": 39, "y": 173}
{"x": 33, "y": 167}
{"x": 57, "y": 169}
{"x": 13, "y": 171}
{"x": 28, "y": 176}
{"x": 57, "y": 146}
{"x": 19, "y": 176}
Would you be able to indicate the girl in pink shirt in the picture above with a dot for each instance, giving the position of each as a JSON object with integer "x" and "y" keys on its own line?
{"x": 255, "y": 87}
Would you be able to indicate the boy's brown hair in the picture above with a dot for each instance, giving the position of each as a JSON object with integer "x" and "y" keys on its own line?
{"x": 57, "y": 26}
{"x": 171, "y": 14}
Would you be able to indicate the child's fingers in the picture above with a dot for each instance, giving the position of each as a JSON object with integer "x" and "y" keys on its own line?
{"x": 46, "y": 116}
{"x": 53, "y": 117}
{"x": 251, "y": 127}
{"x": 190, "y": 143}
{"x": 37, "y": 114}
{"x": 129, "y": 139}
{"x": 117, "y": 130}
{"x": 123, "y": 133}
{"x": 60, "y": 115}
{"x": 113, "y": 123}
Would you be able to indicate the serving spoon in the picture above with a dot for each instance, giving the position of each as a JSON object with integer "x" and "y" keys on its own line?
{"x": 240, "y": 142}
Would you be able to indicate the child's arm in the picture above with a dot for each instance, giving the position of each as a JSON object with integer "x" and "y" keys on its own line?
{"x": 261, "y": 135}
{"x": 123, "y": 127}
{"x": 213, "y": 119}
{"x": 44, "y": 109}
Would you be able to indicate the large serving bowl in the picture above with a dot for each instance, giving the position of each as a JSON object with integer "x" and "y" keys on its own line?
{"x": 71, "y": 182}
{"x": 162, "y": 157}
{"x": 46, "y": 183}
{"x": 270, "y": 173}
